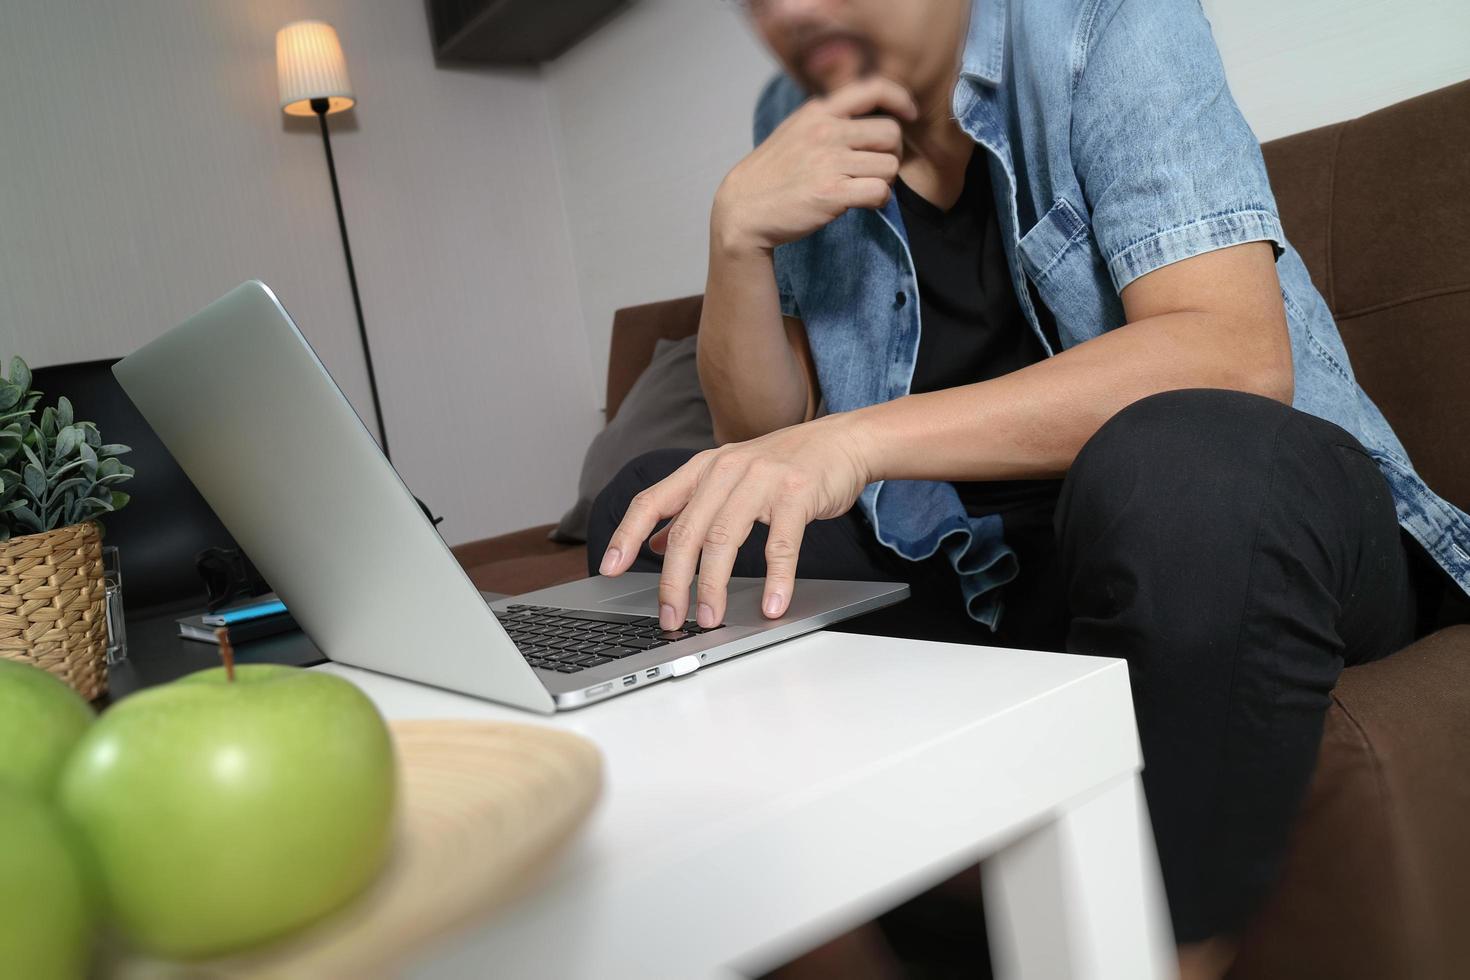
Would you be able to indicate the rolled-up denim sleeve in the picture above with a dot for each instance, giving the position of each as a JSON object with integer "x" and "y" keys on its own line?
{"x": 1169, "y": 167}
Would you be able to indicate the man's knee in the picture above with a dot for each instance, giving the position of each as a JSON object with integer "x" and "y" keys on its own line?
{"x": 1197, "y": 453}
{"x": 612, "y": 502}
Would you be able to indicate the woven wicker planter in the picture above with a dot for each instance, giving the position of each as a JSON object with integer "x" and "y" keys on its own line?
{"x": 53, "y": 605}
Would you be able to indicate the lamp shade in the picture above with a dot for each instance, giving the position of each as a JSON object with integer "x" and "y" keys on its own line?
{"x": 309, "y": 65}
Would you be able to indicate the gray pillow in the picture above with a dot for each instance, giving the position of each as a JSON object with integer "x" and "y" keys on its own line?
{"x": 665, "y": 409}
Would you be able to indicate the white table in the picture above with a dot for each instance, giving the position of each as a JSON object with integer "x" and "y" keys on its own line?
{"x": 762, "y": 806}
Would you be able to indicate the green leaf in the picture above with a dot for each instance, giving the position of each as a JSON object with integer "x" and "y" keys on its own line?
{"x": 66, "y": 486}
{"x": 20, "y": 374}
{"x": 66, "y": 441}
{"x": 35, "y": 481}
{"x": 39, "y": 446}
{"x": 110, "y": 471}
{"x": 75, "y": 464}
{"x": 61, "y": 471}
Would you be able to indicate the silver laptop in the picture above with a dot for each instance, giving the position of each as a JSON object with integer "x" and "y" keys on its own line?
{"x": 248, "y": 410}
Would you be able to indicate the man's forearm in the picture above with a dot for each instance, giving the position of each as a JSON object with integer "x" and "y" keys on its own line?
{"x": 827, "y": 157}
{"x": 750, "y": 375}
{"x": 1032, "y": 423}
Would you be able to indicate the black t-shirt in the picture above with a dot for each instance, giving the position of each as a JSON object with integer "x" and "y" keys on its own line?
{"x": 972, "y": 327}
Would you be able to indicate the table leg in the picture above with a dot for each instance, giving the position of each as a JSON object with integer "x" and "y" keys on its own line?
{"x": 1081, "y": 896}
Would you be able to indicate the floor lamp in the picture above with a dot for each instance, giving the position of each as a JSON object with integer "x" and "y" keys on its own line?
{"x": 313, "y": 79}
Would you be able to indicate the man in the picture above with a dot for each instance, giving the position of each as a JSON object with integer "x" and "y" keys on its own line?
{"x": 1000, "y": 305}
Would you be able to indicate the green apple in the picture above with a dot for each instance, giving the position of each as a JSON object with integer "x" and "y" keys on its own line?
{"x": 45, "y": 914}
{"x": 40, "y": 720}
{"x": 221, "y": 814}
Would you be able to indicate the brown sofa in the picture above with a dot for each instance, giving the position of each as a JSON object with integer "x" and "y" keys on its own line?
{"x": 1377, "y": 882}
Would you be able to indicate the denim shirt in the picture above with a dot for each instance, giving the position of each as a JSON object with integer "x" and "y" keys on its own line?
{"x": 1115, "y": 148}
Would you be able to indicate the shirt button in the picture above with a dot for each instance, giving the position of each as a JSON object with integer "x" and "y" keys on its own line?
{"x": 900, "y": 298}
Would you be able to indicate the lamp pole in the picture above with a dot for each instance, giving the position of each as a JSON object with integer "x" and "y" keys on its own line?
{"x": 319, "y": 106}
{"x": 312, "y": 75}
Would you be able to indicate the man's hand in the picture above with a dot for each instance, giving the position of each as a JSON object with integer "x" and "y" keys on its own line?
{"x": 785, "y": 479}
{"x": 821, "y": 161}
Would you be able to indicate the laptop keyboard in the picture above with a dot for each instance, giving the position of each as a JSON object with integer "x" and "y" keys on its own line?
{"x": 569, "y": 640}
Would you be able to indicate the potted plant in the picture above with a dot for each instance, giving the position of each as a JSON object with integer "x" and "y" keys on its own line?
{"x": 57, "y": 477}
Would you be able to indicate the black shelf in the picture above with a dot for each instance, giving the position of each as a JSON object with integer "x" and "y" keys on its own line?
{"x": 513, "y": 32}
{"x": 157, "y": 654}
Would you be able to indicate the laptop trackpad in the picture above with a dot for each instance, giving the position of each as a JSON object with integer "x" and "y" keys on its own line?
{"x": 645, "y": 599}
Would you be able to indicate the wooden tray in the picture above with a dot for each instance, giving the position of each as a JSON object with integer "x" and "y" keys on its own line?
{"x": 483, "y": 806}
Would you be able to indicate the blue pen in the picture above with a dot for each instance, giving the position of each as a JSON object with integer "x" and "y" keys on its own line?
{"x": 245, "y": 614}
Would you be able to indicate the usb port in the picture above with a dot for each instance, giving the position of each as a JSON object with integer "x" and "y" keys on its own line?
{"x": 630, "y": 680}
{"x": 652, "y": 673}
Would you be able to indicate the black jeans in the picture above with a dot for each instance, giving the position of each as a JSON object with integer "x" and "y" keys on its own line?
{"x": 1235, "y": 552}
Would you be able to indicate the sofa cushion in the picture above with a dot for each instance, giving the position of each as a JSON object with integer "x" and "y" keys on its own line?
{"x": 665, "y": 409}
{"x": 1376, "y": 881}
{"x": 1377, "y": 876}
{"x": 1377, "y": 208}
{"x": 636, "y": 331}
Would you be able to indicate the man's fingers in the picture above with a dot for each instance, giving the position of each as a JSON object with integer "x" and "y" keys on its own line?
{"x": 874, "y": 93}
{"x": 659, "y": 543}
{"x": 884, "y": 166}
{"x": 722, "y": 540}
{"x": 783, "y": 548}
{"x": 664, "y": 499}
{"x": 685, "y": 537}
{"x": 878, "y": 135}
{"x": 865, "y": 192}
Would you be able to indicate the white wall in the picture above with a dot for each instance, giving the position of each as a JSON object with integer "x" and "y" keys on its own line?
{"x": 147, "y": 170}
{"x": 1298, "y": 64}
{"x": 650, "y": 113}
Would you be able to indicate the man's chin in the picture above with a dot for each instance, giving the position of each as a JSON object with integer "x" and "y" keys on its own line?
{"x": 828, "y": 81}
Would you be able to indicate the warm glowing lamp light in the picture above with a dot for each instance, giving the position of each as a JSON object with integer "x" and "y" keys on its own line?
{"x": 310, "y": 66}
